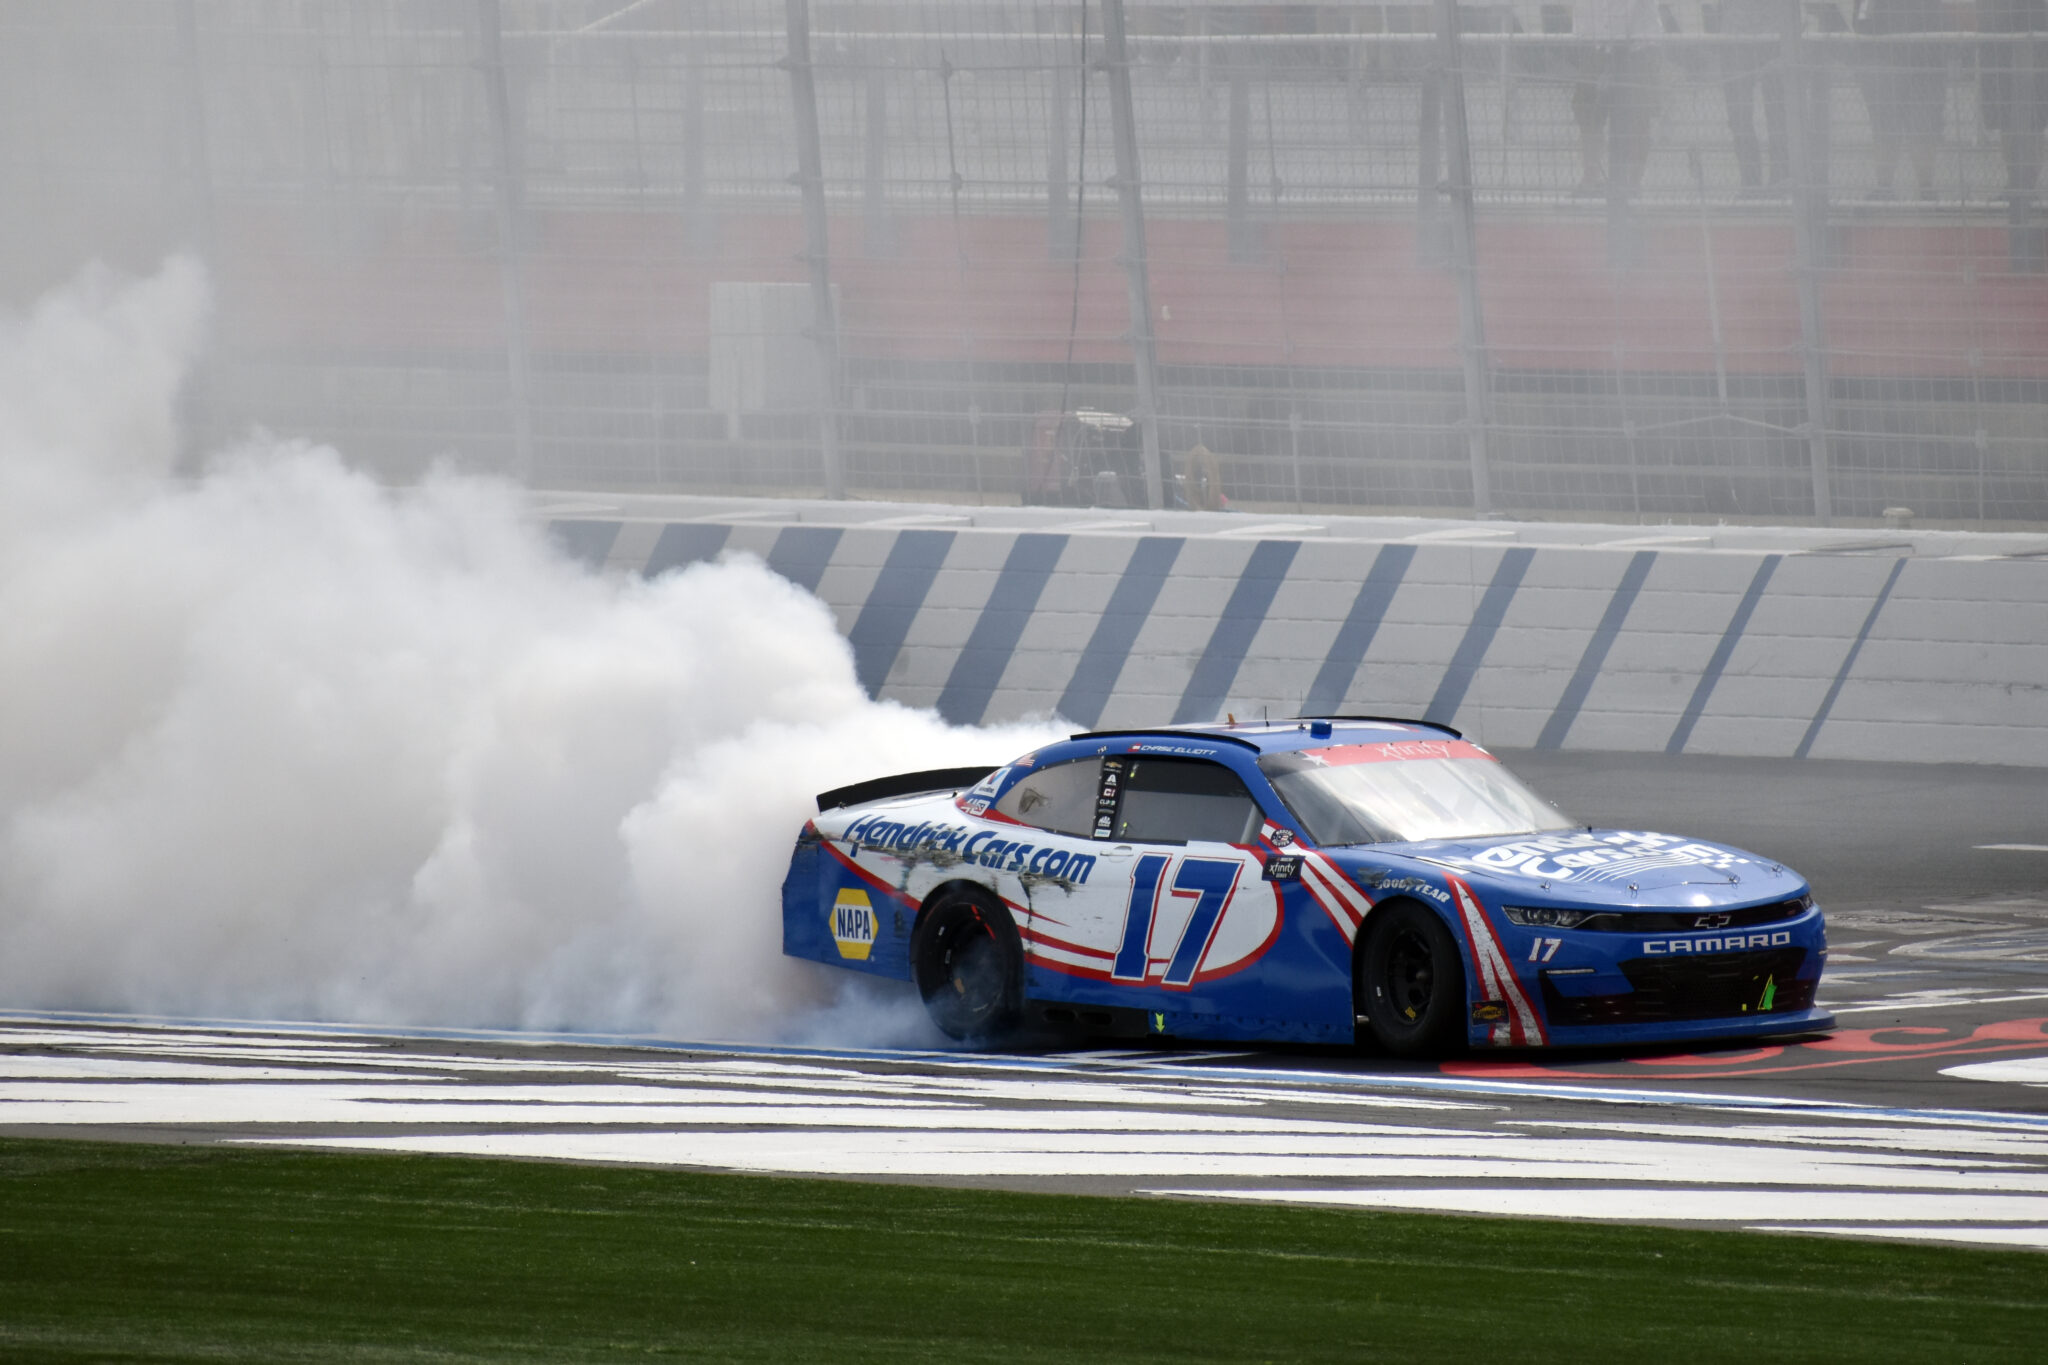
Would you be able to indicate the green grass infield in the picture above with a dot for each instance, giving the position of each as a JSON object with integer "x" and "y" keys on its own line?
{"x": 118, "y": 1251}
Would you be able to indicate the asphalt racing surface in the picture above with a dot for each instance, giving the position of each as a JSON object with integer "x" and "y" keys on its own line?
{"x": 1924, "y": 1116}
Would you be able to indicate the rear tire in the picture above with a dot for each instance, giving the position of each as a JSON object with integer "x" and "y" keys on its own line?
{"x": 1410, "y": 981}
{"x": 968, "y": 963}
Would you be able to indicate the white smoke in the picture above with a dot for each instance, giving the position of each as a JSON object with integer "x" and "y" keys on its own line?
{"x": 280, "y": 742}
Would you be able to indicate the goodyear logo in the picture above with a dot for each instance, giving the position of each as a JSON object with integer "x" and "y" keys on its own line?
{"x": 853, "y": 924}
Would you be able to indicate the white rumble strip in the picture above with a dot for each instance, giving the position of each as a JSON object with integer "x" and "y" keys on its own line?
{"x": 1187, "y": 1125}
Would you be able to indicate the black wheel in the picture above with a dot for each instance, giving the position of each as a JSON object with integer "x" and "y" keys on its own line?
{"x": 969, "y": 967}
{"x": 1411, "y": 981}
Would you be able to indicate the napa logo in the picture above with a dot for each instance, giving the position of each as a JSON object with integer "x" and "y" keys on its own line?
{"x": 853, "y": 924}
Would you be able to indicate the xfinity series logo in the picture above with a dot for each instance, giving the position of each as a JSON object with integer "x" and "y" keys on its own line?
{"x": 853, "y": 924}
{"x": 1731, "y": 944}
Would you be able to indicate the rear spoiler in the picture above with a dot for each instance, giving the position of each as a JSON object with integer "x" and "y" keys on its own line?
{"x": 902, "y": 784}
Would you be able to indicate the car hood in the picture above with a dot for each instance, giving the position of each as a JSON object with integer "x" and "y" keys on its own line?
{"x": 1601, "y": 867}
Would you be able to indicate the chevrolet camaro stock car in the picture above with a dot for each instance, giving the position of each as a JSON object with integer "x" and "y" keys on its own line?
{"x": 1302, "y": 881}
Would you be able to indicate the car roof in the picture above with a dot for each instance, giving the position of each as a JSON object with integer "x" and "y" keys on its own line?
{"x": 1282, "y": 736}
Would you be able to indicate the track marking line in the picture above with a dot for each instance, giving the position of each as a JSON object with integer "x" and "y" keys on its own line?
{"x": 1977, "y": 1236}
{"x": 2011, "y": 1071}
{"x": 1938, "y": 1004}
{"x": 1665, "y": 1205}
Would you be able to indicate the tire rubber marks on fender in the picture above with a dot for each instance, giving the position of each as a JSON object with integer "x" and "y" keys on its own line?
{"x": 1522, "y": 1027}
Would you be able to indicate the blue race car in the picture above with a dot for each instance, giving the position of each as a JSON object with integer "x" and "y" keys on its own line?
{"x": 1304, "y": 881}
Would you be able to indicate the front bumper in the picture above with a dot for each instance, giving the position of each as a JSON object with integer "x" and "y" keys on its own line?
{"x": 1700, "y": 1030}
{"x": 1604, "y": 987}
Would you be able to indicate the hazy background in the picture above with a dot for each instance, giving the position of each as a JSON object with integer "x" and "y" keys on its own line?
{"x": 303, "y": 716}
{"x": 578, "y": 246}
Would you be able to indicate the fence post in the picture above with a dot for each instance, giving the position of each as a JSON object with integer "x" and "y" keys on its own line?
{"x": 1058, "y": 231}
{"x": 1465, "y": 256}
{"x": 1116, "y": 58}
{"x": 511, "y": 233}
{"x": 697, "y": 227}
{"x": 1803, "y": 129}
{"x": 875, "y": 196}
{"x": 810, "y": 174}
{"x": 1244, "y": 238}
{"x": 1059, "y": 214}
{"x": 1429, "y": 121}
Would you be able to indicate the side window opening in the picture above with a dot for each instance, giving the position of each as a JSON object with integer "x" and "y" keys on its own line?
{"x": 1184, "y": 800}
{"x": 1059, "y": 798}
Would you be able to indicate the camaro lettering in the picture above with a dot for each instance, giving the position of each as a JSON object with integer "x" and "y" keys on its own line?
{"x": 1731, "y": 943}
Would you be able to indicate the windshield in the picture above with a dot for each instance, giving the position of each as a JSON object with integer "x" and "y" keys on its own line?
{"x": 1405, "y": 791}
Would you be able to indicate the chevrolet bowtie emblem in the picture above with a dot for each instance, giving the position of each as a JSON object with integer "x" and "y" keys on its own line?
{"x": 1711, "y": 921}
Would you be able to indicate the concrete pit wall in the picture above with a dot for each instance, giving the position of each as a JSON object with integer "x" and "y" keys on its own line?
{"x": 1929, "y": 647}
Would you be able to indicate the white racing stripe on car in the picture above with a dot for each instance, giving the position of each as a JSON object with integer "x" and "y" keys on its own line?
{"x": 1043, "y": 951}
{"x": 1184, "y": 1123}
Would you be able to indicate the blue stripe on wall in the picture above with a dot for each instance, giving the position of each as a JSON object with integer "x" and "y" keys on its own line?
{"x": 1722, "y": 653}
{"x": 1242, "y": 616}
{"x": 1130, "y": 604}
{"x": 587, "y": 542}
{"x": 684, "y": 543}
{"x": 1340, "y": 669}
{"x": 1485, "y": 624}
{"x": 993, "y": 640}
{"x": 884, "y": 622}
{"x": 1595, "y": 658}
{"x": 1827, "y": 704}
{"x": 802, "y": 553}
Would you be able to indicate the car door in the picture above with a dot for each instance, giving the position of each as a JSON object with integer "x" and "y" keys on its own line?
{"x": 1199, "y": 907}
{"x": 1160, "y": 885}
{"x": 1182, "y": 897}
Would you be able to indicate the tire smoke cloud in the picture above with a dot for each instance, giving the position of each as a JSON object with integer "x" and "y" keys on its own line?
{"x": 279, "y": 742}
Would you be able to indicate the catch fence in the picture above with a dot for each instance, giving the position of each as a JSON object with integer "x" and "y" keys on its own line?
{"x": 1755, "y": 260}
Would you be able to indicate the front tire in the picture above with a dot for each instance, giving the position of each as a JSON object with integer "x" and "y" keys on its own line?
{"x": 968, "y": 963}
{"x": 1410, "y": 981}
